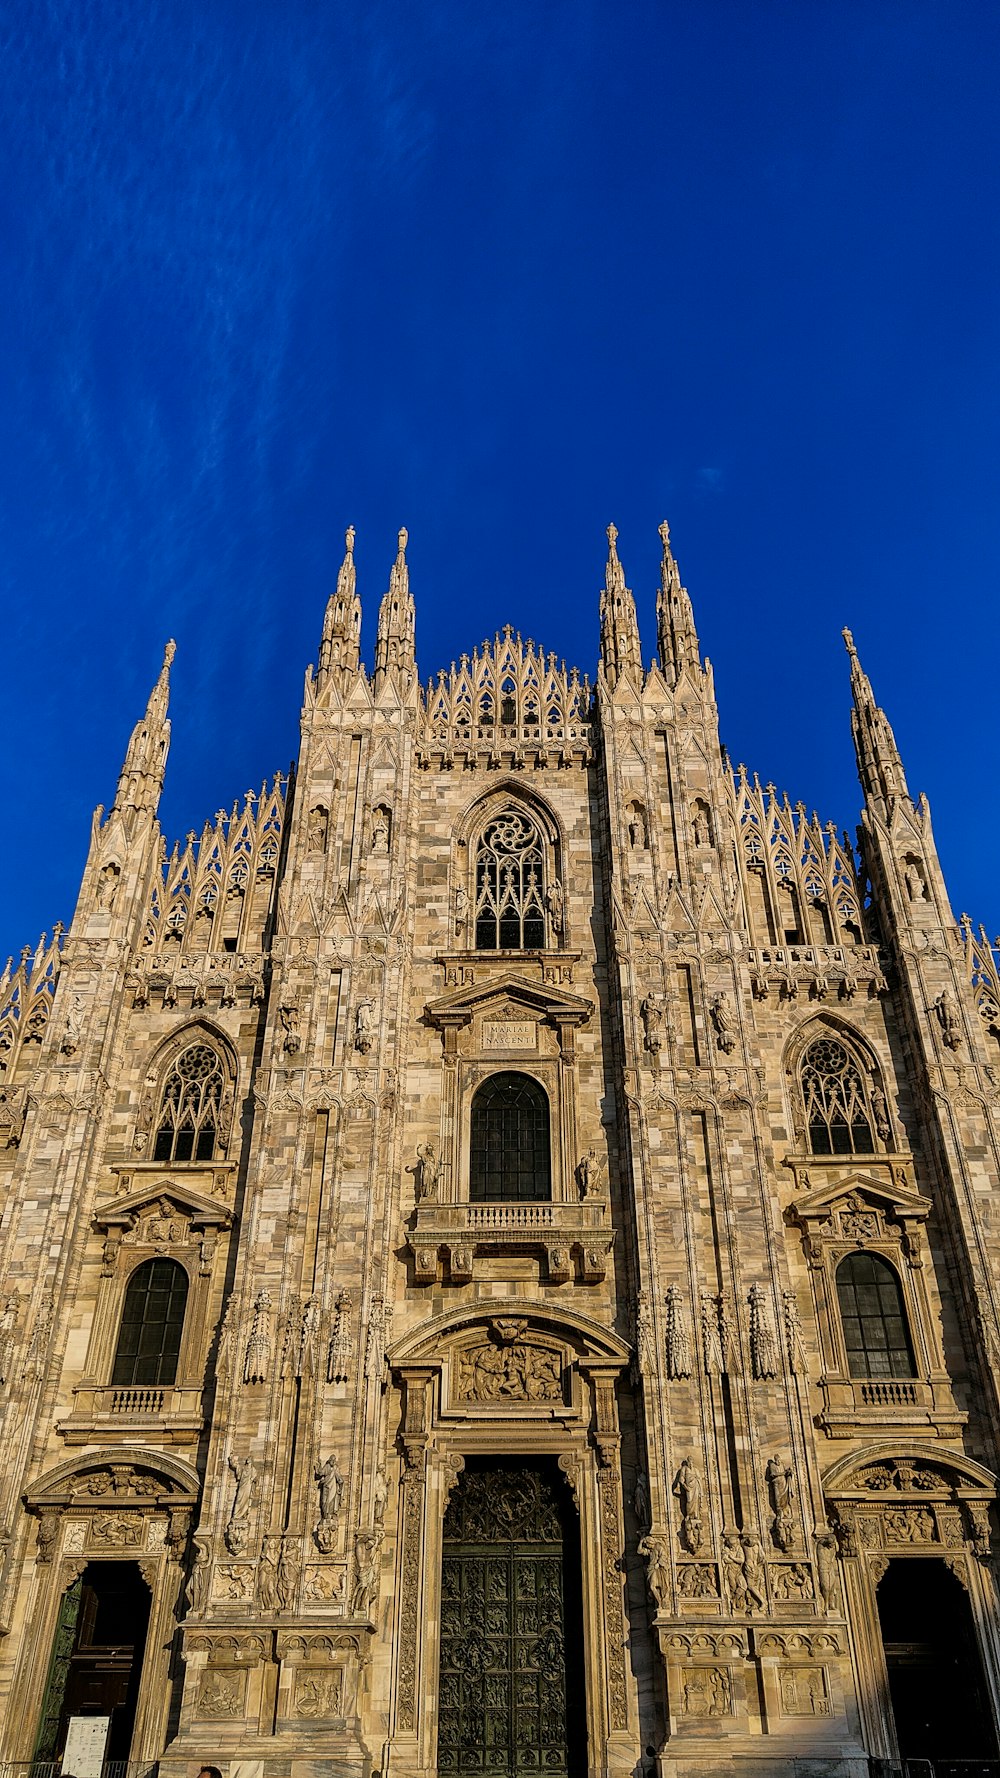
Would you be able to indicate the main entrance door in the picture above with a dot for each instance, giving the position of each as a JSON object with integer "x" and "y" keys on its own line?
{"x": 511, "y": 1699}
{"x": 97, "y": 1657}
{"x": 936, "y": 1682}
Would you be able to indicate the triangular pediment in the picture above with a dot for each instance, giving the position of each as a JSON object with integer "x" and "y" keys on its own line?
{"x": 896, "y": 1200}
{"x": 122, "y": 1211}
{"x": 541, "y": 999}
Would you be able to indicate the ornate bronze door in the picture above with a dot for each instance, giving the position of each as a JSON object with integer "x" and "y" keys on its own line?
{"x": 504, "y": 1703}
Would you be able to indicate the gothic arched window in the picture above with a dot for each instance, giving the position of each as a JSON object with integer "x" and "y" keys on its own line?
{"x": 838, "y": 1113}
{"x": 509, "y": 1148}
{"x": 188, "y": 1124}
{"x": 149, "y": 1338}
{"x": 873, "y": 1318}
{"x": 510, "y": 885}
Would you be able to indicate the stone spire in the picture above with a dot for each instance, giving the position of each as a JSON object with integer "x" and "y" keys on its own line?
{"x": 676, "y": 636}
{"x": 621, "y": 650}
{"x": 141, "y": 779}
{"x": 879, "y": 765}
{"x": 340, "y": 647}
{"x": 394, "y": 645}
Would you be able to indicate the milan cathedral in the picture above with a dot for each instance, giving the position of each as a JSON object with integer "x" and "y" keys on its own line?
{"x": 501, "y": 1251}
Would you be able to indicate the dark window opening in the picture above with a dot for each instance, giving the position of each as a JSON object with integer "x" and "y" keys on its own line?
{"x": 509, "y": 1149}
{"x": 149, "y": 1339}
{"x": 940, "y": 1700}
{"x": 873, "y": 1318}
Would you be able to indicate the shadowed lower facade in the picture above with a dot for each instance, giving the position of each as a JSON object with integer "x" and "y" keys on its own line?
{"x": 500, "y": 1249}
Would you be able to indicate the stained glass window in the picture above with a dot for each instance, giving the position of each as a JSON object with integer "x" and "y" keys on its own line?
{"x": 510, "y": 885}
{"x": 836, "y": 1104}
{"x": 189, "y": 1111}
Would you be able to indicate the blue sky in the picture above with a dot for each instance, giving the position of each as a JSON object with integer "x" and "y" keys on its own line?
{"x": 501, "y": 275}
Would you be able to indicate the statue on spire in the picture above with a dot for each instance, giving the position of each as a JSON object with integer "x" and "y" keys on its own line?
{"x": 676, "y": 636}
{"x": 141, "y": 778}
{"x": 621, "y": 650}
{"x": 880, "y": 767}
{"x": 340, "y": 646}
{"x": 395, "y": 644}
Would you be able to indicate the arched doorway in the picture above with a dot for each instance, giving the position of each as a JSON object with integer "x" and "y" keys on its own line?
{"x": 511, "y": 1684}
{"x": 97, "y": 1657}
{"x": 936, "y": 1683}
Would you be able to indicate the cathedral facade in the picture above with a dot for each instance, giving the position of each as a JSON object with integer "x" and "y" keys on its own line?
{"x": 501, "y": 1242}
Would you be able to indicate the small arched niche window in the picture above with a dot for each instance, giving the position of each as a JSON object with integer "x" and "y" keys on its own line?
{"x": 149, "y": 1339}
{"x": 838, "y": 1113}
{"x": 873, "y": 1318}
{"x": 509, "y": 1148}
{"x": 188, "y": 1125}
{"x": 510, "y": 884}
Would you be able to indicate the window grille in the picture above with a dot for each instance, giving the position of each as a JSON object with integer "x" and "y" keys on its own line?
{"x": 836, "y": 1103}
{"x": 873, "y": 1318}
{"x": 510, "y": 886}
{"x": 189, "y": 1114}
{"x": 510, "y": 1141}
{"x": 149, "y": 1339}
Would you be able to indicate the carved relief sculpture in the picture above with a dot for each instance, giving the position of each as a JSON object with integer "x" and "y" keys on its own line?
{"x": 689, "y": 1492}
{"x": 780, "y": 1481}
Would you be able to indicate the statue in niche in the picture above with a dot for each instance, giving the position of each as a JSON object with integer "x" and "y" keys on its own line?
{"x": 461, "y": 908}
{"x": 380, "y": 831}
{"x": 637, "y": 827}
{"x": 555, "y": 902}
{"x": 267, "y": 1576}
{"x": 881, "y": 1112}
{"x": 947, "y": 1018}
{"x": 734, "y": 1571}
{"x": 724, "y": 1022}
{"x": 779, "y": 1478}
{"x": 107, "y": 887}
{"x": 652, "y": 1010}
{"x": 364, "y": 1025}
{"x": 245, "y": 1471}
{"x": 318, "y": 826}
{"x": 701, "y": 825}
{"x": 288, "y": 1572}
{"x": 657, "y": 1569}
{"x": 687, "y": 1490}
{"x": 913, "y": 877}
{"x": 289, "y": 1016}
{"x": 753, "y": 1571}
{"x": 196, "y": 1592}
{"x": 380, "y": 1496}
{"x": 426, "y": 1172}
{"x": 640, "y": 1498}
{"x": 331, "y": 1492}
{"x": 368, "y": 1562}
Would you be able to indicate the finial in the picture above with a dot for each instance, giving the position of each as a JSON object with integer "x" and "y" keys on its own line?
{"x": 612, "y": 538}
{"x": 402, "y": 540}
{"x": 169, "y": 652}
{"x": 349, "y": 539}
{"x": 664, "y": 531}
{"x": 849, "y": 643}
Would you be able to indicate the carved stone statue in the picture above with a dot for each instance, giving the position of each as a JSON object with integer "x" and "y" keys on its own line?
{"x": 107, "y": 887}
{"x": 364, "y": 1025}
{"x": 196, "y": 1592}
{"x": 245, "y": 1471}
{"x": 267, "y": 1576}
{"x": 724, "y": 1022}
{"x": 380, "y": 830}
{"x": 640, "y": 1498}
{"x": 289, "y": 1016}
{"x": 827, "y": 1570}
{"x": 652, "y": 1010}
{"x": 657, "y": 1570}
{"x": 588, "y": 1175}
{"x": 754, "y": 1571}
{"x": 461, "y": 907}
{"x": 951, "y": 1031}
{"x": 688, "y": 1491}
{"x": 331, "y": 1492}
{"x": 318, "y": 821}
{"x": 555, "y": 901}
{"x": 733, "y": 1571}
{"x": 426, "y": 1172}
{"x": 367, "y": 1565}
{"x": 288, "y": 1572}
{"x": 380, "y": 1496}
{"x": 779, "y": 1478}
